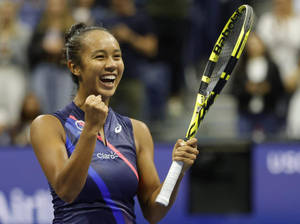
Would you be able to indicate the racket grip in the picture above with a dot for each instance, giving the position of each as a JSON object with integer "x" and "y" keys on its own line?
{"x": 169, "y": 184}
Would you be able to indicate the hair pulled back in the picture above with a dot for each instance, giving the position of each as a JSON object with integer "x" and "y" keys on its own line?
{"x": 73, "y": 43}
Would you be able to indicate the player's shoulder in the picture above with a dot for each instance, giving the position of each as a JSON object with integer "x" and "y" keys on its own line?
{"x": 139, "y": 126}
{"x": 45, "y": 122}
{"x": 44, "y": 119}
{"x": 142, "y": 135}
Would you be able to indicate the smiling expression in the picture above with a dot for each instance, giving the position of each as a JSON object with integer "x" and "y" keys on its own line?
{"x": 101, "y": 66}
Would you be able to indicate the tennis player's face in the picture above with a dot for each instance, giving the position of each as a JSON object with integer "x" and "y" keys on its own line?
{"x": 101, "y": 64}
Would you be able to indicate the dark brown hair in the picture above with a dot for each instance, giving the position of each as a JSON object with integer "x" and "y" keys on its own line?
{"x": 73, "y": 43}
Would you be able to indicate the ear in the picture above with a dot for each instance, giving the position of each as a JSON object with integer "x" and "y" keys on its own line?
{"x": 73, "y": 68}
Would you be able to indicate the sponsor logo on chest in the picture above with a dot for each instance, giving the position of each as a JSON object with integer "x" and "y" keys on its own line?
{"x": 107, "y": 156}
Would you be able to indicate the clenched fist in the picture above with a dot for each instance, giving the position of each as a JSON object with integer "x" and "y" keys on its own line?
{"x": 186, "y": 152}
{"x": 95, "y": 112}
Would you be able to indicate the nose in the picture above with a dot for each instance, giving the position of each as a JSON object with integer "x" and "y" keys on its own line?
{"x": 110, "y": 64}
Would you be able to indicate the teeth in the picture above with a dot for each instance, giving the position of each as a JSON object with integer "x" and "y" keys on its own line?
{"x": 108, "y": 78}
{"x": 111, "y": 77}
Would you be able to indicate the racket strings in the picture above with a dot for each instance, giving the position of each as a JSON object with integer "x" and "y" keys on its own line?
{"x": 226, "y": 52}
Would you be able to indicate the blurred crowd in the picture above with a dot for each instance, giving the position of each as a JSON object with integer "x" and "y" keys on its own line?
{"x": 163, "y": 42}
{"x": 268, "y": 79}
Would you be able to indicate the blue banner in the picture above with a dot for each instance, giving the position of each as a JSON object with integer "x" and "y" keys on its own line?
{"x": 25, "y": 197}
{"x": 276, "y": 169}
{"x": 24, "y": 194}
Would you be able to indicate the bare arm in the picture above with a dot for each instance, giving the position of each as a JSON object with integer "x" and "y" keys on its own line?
{"x": 149, "y": 184}
{"x": 66, "y": 175}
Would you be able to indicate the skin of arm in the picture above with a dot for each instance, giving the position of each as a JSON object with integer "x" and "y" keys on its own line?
{"x": 67, "y": 175}
{"x": 149, "y": 184}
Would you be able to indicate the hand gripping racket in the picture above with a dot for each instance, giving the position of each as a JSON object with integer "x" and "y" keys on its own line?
{"x": 219, "y": 67}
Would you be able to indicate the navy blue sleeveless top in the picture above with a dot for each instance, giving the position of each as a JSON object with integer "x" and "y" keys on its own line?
{"x": 112, "y": 182}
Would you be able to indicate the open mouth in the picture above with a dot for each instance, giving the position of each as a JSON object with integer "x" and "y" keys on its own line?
{"x": 108, "y": 79}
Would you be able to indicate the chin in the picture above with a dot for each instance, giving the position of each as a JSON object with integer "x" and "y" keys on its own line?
{"x": 106, "y": 94}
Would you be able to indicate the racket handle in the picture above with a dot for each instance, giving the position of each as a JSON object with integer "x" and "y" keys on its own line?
{"x": 169, "y": 184}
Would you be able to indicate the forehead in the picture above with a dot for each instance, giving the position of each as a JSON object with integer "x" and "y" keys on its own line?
{"x": 99, "y": 40}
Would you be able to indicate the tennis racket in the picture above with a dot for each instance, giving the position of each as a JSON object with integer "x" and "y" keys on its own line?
{"x": 223, "y": 58}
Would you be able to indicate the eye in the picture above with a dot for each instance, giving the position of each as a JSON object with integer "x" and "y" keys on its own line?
{"x": 99, "y": 56}
{"x": 117, "y": 56}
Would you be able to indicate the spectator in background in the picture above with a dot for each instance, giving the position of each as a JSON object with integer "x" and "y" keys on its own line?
{"x": 30, "y": 12}
{"x": 257, "y": 87}
{"x": 14, "y": 38}
{"x": 51, "y": 81}
{"x": 145, "y": 81}
{"x": 88, "y": 12}
{"x": 30, "y": 110}
{"x": 297, "y": 5}
{"x": 280, "y": 31}
{"x": 4, "y": 130}
{"x": 169, "y": 18}
{"x": 293, "y": 118}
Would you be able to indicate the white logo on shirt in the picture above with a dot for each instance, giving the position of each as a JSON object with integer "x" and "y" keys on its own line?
{"x": 118, "y": 129}
{"x": 79, "y": 124}
{"x": 103, "y": 156}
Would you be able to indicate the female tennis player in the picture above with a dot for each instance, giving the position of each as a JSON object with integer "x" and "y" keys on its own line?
{"x": 96, "y": 160}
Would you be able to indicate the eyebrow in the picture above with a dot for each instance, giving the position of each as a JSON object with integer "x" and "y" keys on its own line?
{"x": 103, "y": 51}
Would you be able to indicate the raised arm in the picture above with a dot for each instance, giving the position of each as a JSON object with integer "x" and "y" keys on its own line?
{"x": 66, "y": 175}
{"x": 149, "y": 184}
